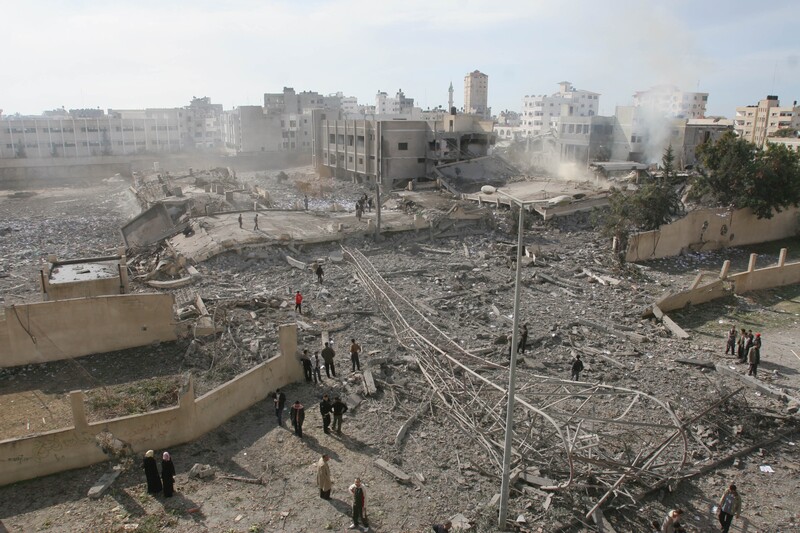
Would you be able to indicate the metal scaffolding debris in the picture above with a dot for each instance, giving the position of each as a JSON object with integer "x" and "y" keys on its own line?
{"x": 568, "y": 434}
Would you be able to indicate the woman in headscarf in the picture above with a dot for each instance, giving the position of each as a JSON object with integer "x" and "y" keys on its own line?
{"x": 151, "y": 472}
{"x": 168, "y": 474}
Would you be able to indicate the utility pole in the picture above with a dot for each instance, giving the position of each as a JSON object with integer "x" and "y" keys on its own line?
{"x": 378, "y": 179}
{"x": 512, "y": 370}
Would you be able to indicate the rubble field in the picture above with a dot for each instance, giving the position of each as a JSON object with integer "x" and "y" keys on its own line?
{"x": 575, "y": 299}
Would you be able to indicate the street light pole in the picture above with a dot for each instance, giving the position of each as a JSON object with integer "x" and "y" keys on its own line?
{"x": 512, "y": 370}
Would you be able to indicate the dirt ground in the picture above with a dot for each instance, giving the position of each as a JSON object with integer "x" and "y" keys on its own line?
{"x": 453, "y": 478}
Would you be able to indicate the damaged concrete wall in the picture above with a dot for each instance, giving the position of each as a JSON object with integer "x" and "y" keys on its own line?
{"x": 76, "y": 447}
{"x": 752, "y": 279}
{"x": 49, "y": 331}
{"x": 711, "y": 229}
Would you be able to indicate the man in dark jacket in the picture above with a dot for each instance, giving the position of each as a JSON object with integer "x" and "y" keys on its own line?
{"x": 279, "y": 399}
{"x": 307, "y": 366}
{"x": 339, "y": 408}
{"x": 577, "y": 368}
{"x": 298, "y": 416}
{"x": 327, "y": 355}
{"x": 325, "y": 408}
{"x": 442, "y": 528}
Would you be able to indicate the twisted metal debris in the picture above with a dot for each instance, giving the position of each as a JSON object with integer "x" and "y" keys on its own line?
{"x": 567, "y": 434}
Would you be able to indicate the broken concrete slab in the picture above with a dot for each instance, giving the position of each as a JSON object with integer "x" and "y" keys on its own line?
{"x": 393, "y": 470}
{"x": 754, "y": 383}
{"x": 294, "y": 263}
{"x": 603, "y": 525}
{"x": 369, "y": 383}
{"x": 103, "y": 484}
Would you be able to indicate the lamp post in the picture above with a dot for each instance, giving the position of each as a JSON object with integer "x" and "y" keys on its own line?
{"x": 512, "y": 370}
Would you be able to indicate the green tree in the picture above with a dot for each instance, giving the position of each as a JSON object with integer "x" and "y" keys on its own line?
{"x": 736, "y": 173}
{"x": 655, "y": 203}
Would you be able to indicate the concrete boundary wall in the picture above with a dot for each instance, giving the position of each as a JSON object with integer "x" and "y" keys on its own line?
{"x": 711, "y": 229}
{"x": 76, "y": 447}
{"x": 753, "y": 279}
{"x": 60, "y": 329}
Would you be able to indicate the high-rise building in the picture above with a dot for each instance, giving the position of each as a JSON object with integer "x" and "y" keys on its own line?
{"x": 476, "y": 94}
{"x": 542, "y": 113}
{"x": 755, "y": 123}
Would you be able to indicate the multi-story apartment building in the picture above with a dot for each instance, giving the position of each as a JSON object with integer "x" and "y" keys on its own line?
{"x": 476, "y": 94}
{"x": 669, "y": 101}
{"x": 118, "y": 132}
{"x": 203, "y": 124}
{"x": 542, "y": 113}
{"x": 757, "y": 122}
{"x": 397, "y": 150}
{"x": 400, "y": 104}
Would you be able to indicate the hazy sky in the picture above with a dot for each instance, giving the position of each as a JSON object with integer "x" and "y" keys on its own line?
{"x": 160, "y": 53}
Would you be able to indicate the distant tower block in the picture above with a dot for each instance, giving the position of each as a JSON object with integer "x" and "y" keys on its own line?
{"x": 476, "y": 93}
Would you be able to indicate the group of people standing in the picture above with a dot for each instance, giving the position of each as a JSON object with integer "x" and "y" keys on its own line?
{"x": 166, "y": 481}
{"x": 747, "y": 347}
{"x": 362, "y": 204}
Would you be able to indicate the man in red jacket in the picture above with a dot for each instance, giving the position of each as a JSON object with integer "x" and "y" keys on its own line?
{"x": 298, "y": 302}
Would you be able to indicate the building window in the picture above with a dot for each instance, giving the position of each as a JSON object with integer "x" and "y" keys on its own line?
{"x": 420, "y": 160}
{"x": 402, "y": 146}
{"x": 360, "y": 160}
{"x": 332, "y": 138}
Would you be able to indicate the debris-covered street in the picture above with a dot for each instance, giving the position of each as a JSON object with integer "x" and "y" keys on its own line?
{"x": 428, "y": 418}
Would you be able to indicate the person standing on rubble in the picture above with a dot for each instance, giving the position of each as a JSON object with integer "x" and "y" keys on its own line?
{"x": 325, "y": 408}
{"x": 359, "y": 504}
{"x": 729, "y": 505}
{"x": 740, "y": 346}
{"x": 523, "y": 339}
{"x": 339, "y": 408}
{"x": 307, "y": 367}
{"x": 317, "y": 370}
{"x": 577, "y": 368}
{"x": 369, "y": 204}
{"x": 359, "y": 210}
{"x": 731, "y": 344}
{"x": 298, "y": 302}
{"x": 305, "y": 201}
{"x": 151, "y": 473}
{"x": 757, "y": 345}
{"x": 255, "y": 227}
{"x": 355, "y": 349}
{"x": 279, "y": 400}
{"x": 753, "y": 358}
{"x": 240, "y": 221}
{"x": 327, "y": 355}
{"x": 319, "y": 272}
{"x": 298, "y": 416}
{"x": 324, "y": 477}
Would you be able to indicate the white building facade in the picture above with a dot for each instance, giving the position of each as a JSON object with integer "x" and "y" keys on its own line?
{"x": 670, "y": 102}
{"x": 542, "y": 113}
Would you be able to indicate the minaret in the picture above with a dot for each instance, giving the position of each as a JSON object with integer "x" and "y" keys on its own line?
{"x": 450, "y": 98}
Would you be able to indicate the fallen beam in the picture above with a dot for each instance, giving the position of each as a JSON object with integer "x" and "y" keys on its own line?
{"x": 612, "y": 331}
{"x": 393, "y": 470}
{"x": 669, "y": 323}
{"x": 103, "y": 484}
{"x": 754, "y": 383}
{"x": 696, "y": 362}
{"x": 294, "y": 263}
